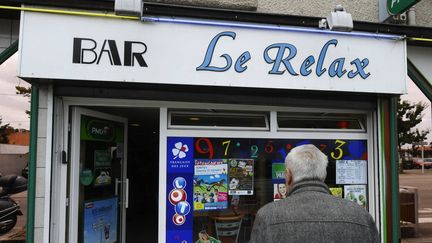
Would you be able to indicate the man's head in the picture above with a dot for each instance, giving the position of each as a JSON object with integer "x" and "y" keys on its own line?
{"x": 305, "y": 162}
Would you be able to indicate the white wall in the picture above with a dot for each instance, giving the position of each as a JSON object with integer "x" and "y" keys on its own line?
{"x": 43, "y": 165}
{"x": 365, "y": 10}
{"x": 13, "y": 163}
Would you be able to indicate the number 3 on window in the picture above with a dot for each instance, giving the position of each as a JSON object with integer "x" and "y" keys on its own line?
{"x": 339, "y": 152}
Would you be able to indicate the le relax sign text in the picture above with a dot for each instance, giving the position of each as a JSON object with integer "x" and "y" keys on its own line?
{"x": 280, "y": 62}
{"x": 129, "y": 51}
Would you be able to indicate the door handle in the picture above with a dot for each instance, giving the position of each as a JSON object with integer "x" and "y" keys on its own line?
{"x": 117, "y": 182}
{"x": 127, "y": 193}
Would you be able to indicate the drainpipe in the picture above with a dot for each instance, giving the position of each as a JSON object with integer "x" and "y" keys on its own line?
{"x": 31, "y": 188}
{"x": 411, "y": 15}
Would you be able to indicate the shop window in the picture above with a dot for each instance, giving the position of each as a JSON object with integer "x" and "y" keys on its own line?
{"x": 216, "y": 185}
{"x": 325, "y": 121}
{"x": 218, "y": 119}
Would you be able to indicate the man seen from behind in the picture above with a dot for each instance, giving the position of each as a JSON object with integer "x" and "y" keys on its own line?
{"x": 310, "y": 213}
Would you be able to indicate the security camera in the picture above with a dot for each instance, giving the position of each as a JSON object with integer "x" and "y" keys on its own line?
{"x": 340, "y": 20}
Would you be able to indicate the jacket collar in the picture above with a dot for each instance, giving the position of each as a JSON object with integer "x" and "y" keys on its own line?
{"x": 309, "y": 185}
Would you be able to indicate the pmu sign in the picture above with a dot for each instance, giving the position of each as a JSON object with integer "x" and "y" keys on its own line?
{"x": 395, "y": 7}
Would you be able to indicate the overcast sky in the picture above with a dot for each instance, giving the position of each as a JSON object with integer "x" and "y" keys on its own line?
{"x": 13, "y": 106}
{"x": 415, "y": 95}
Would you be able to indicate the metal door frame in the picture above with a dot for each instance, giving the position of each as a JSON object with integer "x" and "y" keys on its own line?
{"x": 76, "y": 113}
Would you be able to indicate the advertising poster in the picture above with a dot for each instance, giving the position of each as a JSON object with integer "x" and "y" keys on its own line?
{"x": 102, "y": 168}
{"x": 102, "y": 158}
{"x": 351, "y": 171}
{"x": 100, "y": 221}
{"x": 280, "y": 191}
{"x": 103, "y": 176}
{"x": 179, "y": 186}
{"x": 241, "y": 175}
{"x": 210, "y": 184}
{"x": 336, "y": 191}
{"x": 356, "y": 193}
{"x": 278, "y": 172}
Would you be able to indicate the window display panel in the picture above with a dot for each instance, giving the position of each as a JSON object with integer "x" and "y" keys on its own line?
{"x": 215, "y": 186}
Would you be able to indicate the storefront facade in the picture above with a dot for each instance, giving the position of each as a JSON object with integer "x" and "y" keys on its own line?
{"x": 164, "y": 127}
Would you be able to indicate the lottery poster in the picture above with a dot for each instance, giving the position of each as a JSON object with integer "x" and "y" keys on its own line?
{"x": 356, "y": 193}
{"x": 280, "y": 191}
{"x": 241, "y": 175}
{"x": 336, "y": 191}
{"x": 278, "y": 172}
{"x": 210, "y": 184}
{"x": 351, "y": 171}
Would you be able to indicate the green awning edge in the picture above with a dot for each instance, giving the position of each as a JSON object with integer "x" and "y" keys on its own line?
{"x": 8, "y": 52}
{"x": 31, "y": 189}
{"x": 420, "y": 80}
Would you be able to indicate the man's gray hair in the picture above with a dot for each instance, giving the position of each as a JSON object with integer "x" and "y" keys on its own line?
{"x": 306, "y": 162}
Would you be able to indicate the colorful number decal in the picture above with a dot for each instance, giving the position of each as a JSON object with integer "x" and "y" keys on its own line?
{"x": 269, "y": 147}
{"x": 201, "y": 150}
{"x": 338, "y": 149}
{"x": 227, "y": 143}
{"x": 254, "y": 150}
{"x": 283, "y": 153}
{"x": 288, "y": 147}
{"x": 323, "y": 146}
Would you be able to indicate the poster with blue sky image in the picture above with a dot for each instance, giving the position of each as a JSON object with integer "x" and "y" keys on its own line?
{"x": 100, "y": 221}
{"x": 210, "y": 184}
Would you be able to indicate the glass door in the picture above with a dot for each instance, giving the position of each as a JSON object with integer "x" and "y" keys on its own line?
{"x": 98, "y": 186}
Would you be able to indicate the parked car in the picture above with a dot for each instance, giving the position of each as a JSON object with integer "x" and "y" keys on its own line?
{"x": 408, "y": 164}
{"x": 427, "y": 162}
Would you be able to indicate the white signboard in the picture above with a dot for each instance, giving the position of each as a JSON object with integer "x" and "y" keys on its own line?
{"x": 351, "y": 171}
{"x": 100, "y": 49}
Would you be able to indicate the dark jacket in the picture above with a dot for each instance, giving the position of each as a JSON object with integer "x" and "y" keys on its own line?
{"x": 311, "y": 214}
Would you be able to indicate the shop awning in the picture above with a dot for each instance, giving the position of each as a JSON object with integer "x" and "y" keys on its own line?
{"x": 8, "y": 52}
{"x": 419, "y": 61}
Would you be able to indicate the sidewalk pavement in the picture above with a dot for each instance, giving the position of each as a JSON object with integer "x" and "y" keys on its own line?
{"x": 415, "y": 178}
{"x": 423, "y": 235}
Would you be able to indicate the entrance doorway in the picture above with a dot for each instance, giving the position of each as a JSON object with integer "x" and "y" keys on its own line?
{"x": 121, "y": 169}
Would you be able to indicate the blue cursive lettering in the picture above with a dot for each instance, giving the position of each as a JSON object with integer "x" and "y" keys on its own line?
{"x": 360, "y": 66}
{"x": 278, "y": 60}
{"x": 336, "y": 68}
{"x": 243, "y": 58}
{"x": 319, "y": 69}
{"x": 209, "y": 54}
{"x": 307, "y": 63}
{"x": 282, "y": 55}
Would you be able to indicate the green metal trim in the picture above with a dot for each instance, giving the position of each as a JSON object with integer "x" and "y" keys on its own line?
{"x": 31, "y": 190}
{"x": 8, "y": 52}
{"x": 383, "y": 177}
{"x": 394, "y": 171}
{"x": 417, "y": 77}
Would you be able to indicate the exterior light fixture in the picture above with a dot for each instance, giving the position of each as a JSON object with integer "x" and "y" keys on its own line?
{"x": 128, "y": 7}
{"x": 338, "y": 20}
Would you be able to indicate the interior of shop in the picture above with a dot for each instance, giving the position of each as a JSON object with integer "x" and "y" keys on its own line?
{"x": 142, "y": 171}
